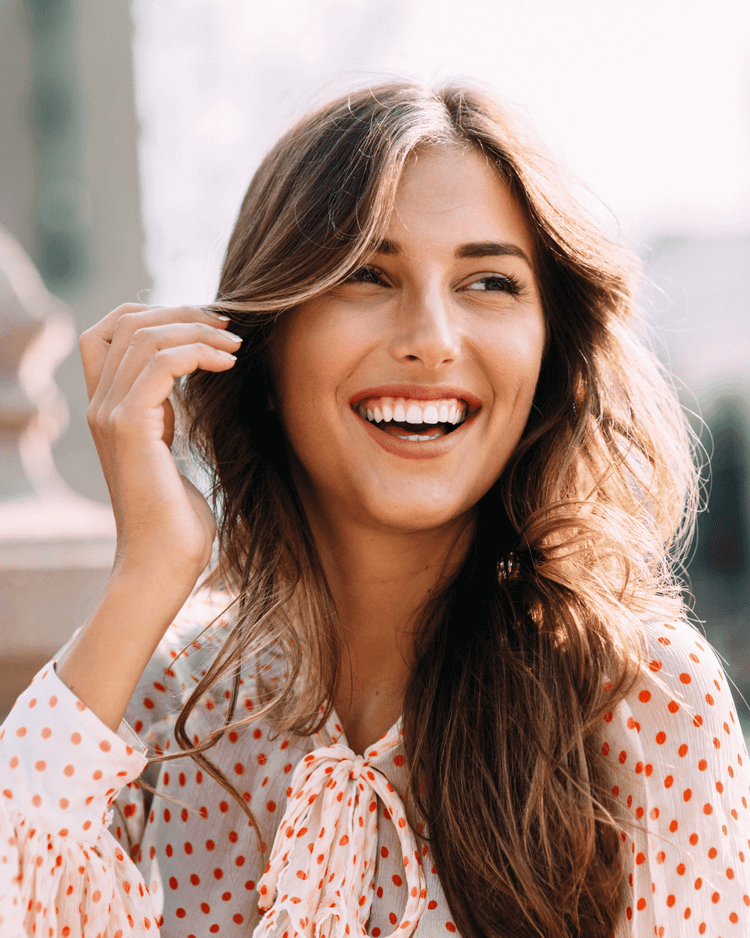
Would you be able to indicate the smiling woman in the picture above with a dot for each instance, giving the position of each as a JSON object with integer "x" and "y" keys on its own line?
{"x": 424, "y": 319}
{"x": 440, "y": 666}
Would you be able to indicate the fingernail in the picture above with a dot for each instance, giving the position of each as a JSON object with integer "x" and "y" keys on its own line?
{"x": 231, "y": 335}
{"x": 220, "y": 316}
{"x": 226, "y": 354}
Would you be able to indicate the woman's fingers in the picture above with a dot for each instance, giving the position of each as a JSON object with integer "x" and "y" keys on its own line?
{"x": 135, "y": 400}
{"x": 95, "y": 343}
{"x": 129, "y": 356}
{"x": 103, "y": 346}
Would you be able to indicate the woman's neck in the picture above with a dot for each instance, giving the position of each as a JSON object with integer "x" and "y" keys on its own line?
{"x": 379, "y": 580}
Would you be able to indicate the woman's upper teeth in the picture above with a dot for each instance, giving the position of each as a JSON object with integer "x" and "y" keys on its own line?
{"x": 408, "y": 410}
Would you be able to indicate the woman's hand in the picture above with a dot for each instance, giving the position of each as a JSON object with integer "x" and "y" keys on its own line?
{"x": 131, "y": 360}
{"x": 165, "y": 528}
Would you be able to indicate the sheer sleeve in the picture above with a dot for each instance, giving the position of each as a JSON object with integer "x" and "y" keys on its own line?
{"x": 60, "y": 868}
{"x": 681, "y": 772}
{"x": 72, "y": 815}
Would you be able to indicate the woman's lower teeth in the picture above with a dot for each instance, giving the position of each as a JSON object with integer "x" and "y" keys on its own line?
{"x": 425, "y": 436}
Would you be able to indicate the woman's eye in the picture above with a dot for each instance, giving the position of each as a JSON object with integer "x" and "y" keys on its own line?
{"x": 496, "y": 283}
{"x": 364, "y": 275}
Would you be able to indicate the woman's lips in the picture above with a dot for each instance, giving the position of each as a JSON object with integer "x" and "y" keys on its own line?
{"x": 417, "y": 392}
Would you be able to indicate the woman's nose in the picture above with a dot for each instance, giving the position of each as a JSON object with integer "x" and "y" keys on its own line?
{"x": 425, "y": 331}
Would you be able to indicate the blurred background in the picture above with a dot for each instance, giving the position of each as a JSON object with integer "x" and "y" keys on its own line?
{"x": 129, "y": 131}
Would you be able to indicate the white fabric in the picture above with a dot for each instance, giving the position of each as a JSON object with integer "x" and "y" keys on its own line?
{"x": 319, "y": 879}
{"x": 187, "y": 863}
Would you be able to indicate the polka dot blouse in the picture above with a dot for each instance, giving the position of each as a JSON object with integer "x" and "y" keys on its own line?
{"x": 84, "y": 851}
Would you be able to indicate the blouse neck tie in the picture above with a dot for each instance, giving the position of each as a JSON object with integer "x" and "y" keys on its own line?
{"x": 319, "y": 879}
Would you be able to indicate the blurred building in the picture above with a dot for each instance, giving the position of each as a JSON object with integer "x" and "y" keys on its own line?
{"x": 700, "y": 299}
{"x": 69, "y": 195}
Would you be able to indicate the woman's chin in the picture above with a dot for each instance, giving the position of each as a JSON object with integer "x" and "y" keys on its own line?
{"x": 414, "y": 515}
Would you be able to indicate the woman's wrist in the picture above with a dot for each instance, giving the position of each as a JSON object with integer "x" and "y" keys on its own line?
{"x": 104, "y": 662}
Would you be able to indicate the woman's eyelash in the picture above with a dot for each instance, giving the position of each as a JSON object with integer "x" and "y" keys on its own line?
{"x": 504, "y": 283}
{"x": 364, "y": 275}
{"x": 495, "y": 283}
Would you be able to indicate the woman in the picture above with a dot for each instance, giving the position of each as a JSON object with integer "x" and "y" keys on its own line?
{"x": 446, "y": 684}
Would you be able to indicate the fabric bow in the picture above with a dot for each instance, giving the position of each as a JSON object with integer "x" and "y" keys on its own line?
{"x": 319, "y": 879}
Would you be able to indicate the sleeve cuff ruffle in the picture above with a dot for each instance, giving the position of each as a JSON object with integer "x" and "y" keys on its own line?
{"x": 51, "y": 885}
{"x": 60, "y": 765}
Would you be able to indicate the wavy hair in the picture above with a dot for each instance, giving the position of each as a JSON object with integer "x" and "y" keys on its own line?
{"x": 538, "y": 635}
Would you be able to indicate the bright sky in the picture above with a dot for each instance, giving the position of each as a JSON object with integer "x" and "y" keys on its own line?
{"x": 648, "y": 101}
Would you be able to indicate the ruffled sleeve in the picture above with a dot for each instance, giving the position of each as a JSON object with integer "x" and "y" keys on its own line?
{"x": 678, "y": 759}
{"x": 61, "y": 871}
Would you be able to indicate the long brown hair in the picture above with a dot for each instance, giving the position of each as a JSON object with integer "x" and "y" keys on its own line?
{"x": 538, "y": 635}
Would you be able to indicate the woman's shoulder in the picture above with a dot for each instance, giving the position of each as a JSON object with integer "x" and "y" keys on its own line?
{"x": 681, "y": 662}
{"x": 681, "y": 695}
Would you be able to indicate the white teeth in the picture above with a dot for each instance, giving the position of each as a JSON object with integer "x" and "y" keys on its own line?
{"x": 403, "y": 410}
{"x": 430, "y": 414}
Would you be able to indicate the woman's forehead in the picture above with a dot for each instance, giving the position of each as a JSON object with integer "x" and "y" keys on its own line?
{"x": 454, "y": 193}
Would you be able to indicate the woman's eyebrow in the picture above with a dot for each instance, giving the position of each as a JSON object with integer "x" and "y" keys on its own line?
{"x": 471, "y": 249}
{"x": 492, "y": 249}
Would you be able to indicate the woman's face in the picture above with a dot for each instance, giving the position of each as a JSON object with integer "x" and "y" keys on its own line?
{"x": 404, "y": 390}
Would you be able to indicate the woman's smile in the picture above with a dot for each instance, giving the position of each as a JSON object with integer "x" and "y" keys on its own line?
{"x": 404, "y": 390}
{"x": 412, "y": 414}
